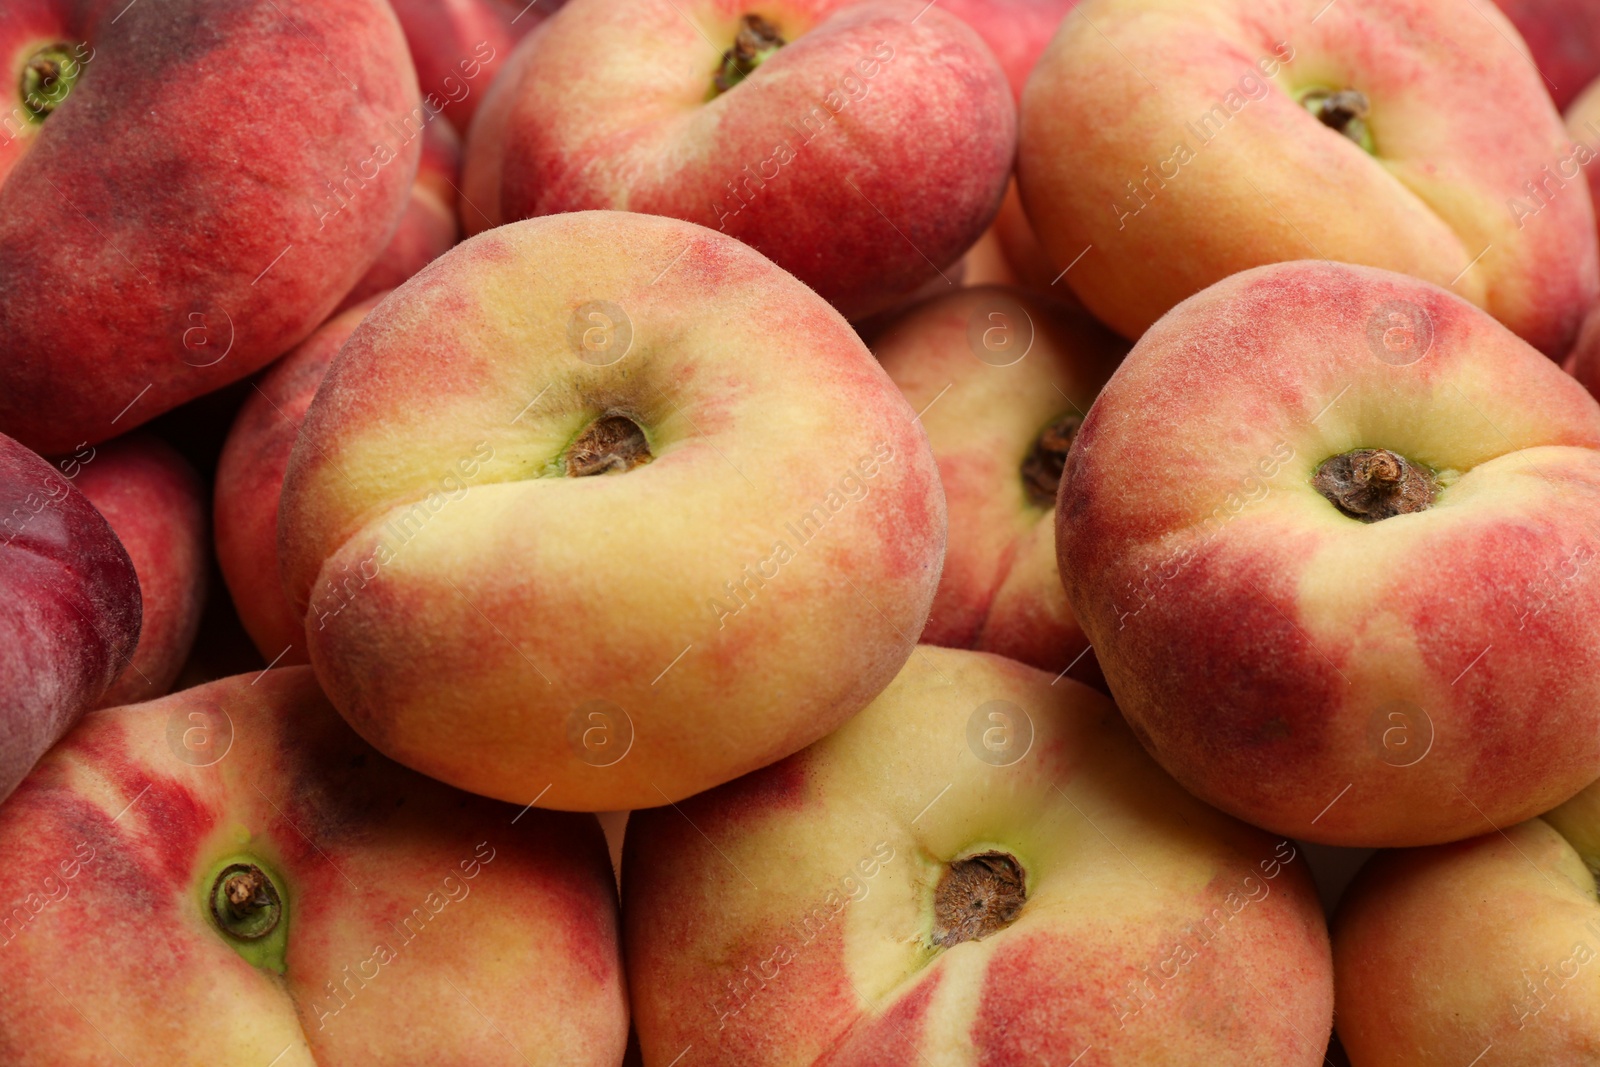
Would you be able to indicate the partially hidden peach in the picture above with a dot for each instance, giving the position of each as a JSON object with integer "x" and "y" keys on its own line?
{"x": 69, "y": 608}
{"x": 861, "y": 146}
{"x": 156, "y": 505}
{"x": 1165, "y": 147}
{"x": 250, "y": 475}
{"x": 1003, "y": 381}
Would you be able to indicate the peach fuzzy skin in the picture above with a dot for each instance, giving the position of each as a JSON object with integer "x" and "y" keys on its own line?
{"x": 69, "y": 608}
{"x": 112, "y": 839}
{"x": 1441, "y": 952}
{"x": 1258, "y": 639}
{"x": 250, "y": 474}
{"x": 170, "y": 226}
{"x": 156, "y": 505}
{"x": 609, "y": 105}
{"x": 1460, "y": 123}
{"x": 429, "y": 227}
{"x": 1000, "y": 590}
{"x": 1017, "y": 31}
{"x": 459, "y": 47}
{"x": 1563, "y": 37}
{"x": 465, "y": 601}
{"x": 854, "y": 833}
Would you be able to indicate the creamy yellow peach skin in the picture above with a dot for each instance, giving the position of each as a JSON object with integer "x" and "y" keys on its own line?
{"x": 805, "y": 914}
{"x": 494, "y": 595}
{"x": 1409, "y": 680}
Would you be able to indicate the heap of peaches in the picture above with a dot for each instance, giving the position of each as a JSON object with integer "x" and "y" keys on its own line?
{"x": 799, "y": 533}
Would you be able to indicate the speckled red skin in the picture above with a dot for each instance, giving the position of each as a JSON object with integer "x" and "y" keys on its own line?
{"x": 1583, "y": 124}
{"x": 1016, "y": 31}
{"x": 928, "y": 143}
{"x": 1000, "y": 590}
{"x": 139, "y": 224}
{"x": 1253, "y": 635}
{"x": 1564, "y": 37}
{"x": 250, "y": 480}
{"x": 156, "y": 505}
{"x": 1461, "y": 124}
{"x": 69, "y": 608}
{"x": 459, "y": 46}
{"x": 723, "y": 881}
{"x": 518, "y": 963}
{"x": 429, "y": 227}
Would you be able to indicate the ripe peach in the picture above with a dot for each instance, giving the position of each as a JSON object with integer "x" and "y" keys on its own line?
{"x": 1003, "y": 381}
{"x": 250, "y": 480}
{"x": 228, "y": 875}
{"x": 560, "y": 534}
{"x": 1402, "y": 134}
{"x": 981, "y": 867}
{"x": 187, "y": 188}
{"x": 1445, "y": 953}
{"x": 861, "y": 146}
{"x": 70, "y": 615}
{"x": 155, "y": 504}
{"x": 1329, "y": 530}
